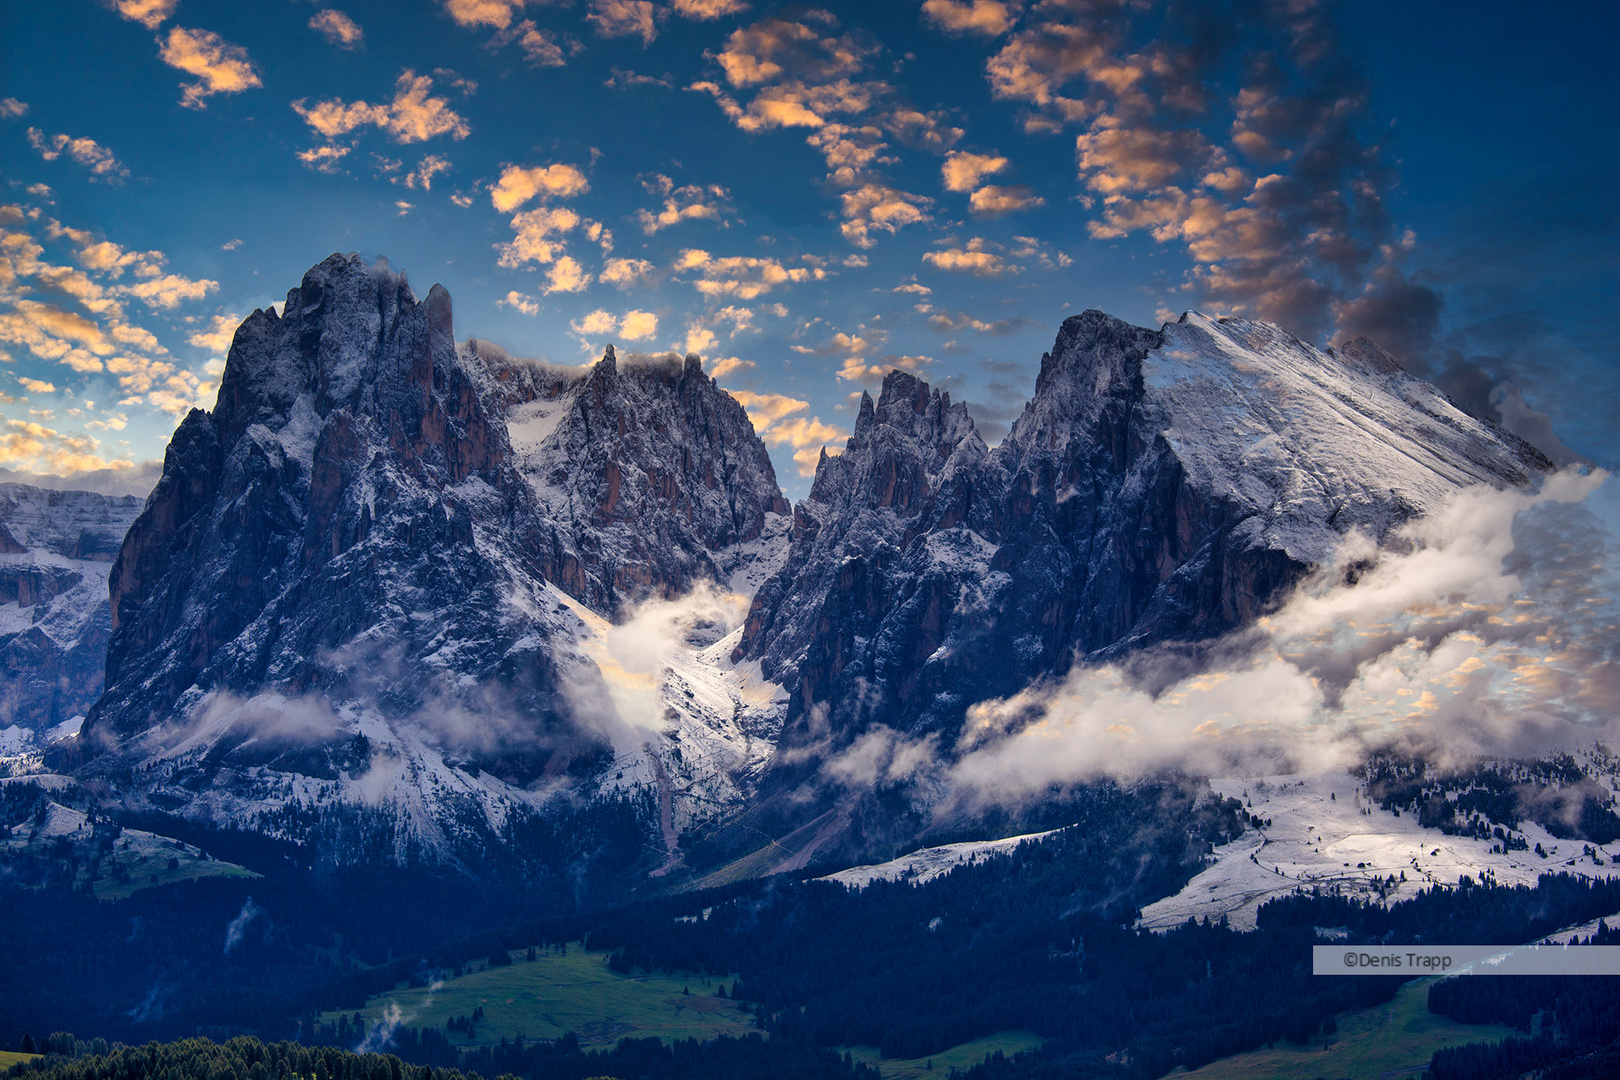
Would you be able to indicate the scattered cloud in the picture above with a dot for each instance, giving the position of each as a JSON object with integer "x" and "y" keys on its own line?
{"x": 216, "y": 336}
{"x": 473, "y": 14}
{"x": 625, "y": 18}
{"x": 518, "y": 185}
{"x": 566, "y": 276}
{"x": 626, "y": 273}
{"x": 149, "y": 13}
{"x": 538, "y": 236}
{"x": 953, "y": 321}
{"x": 11, "y": 108}
{"x": 744, "y": 277}
{"x": 426, "y": 169}
{"x": 988, "y": 18}
{"x": 87, "y": 152}
{"x": 622, "y": 79}
{"x": 997, "y": 201}
{"x": 777, "y": 420}
{"x": 36, "y": 386}
{"x": 962, "y": 170}
{"x": 218, "y": 66}
{"x": 689, "y": 202}
{"x": 977, "y": 258}
{"x": 337, "y": 28}
{"x": 324, "y": 159}
{"x": 526, "y": 304}
{"x": 878, "y": 207}
{"x": 231, "y": 245}
{"x": 414, "y": 114}
{"x": 707, "y": 9}
{"x": 720, "y": 367}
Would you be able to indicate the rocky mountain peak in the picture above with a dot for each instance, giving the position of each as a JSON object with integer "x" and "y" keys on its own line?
{"x": 396, "y": 528}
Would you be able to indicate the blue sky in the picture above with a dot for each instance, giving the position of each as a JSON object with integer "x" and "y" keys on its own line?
{"x": 804, "y": 195}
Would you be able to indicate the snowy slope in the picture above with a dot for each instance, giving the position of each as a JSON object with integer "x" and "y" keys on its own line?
{"x": 926, "y": 864}
{"x": 1325, "y": 833}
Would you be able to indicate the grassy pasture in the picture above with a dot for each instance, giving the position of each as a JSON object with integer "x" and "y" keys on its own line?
{"x": 938, "y": 1066}
{"x": 560, "y": 992}
{"x": 1394, "y": 1038}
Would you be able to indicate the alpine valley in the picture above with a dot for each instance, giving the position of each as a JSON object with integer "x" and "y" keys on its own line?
{"x": 475, "y": 649}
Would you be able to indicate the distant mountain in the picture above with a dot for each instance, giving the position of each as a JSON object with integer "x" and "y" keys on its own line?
{"x": 56, "y": 548}
{"x": 451, "y": 591}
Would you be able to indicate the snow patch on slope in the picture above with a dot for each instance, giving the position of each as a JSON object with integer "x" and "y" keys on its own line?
{"x": 926, "y": 864}
{"x": 1325, "y": 833}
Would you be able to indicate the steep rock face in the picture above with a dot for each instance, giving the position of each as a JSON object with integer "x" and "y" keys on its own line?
{"x": 1161, "y": 485}
{"x": 642, "y": 470}
{"x": 56, "y": 548}
{"x": 889, "y": 543}
{"x": 372, "y": 566}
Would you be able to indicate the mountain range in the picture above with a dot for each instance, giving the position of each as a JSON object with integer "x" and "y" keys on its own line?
{"x": 456, "y": 591}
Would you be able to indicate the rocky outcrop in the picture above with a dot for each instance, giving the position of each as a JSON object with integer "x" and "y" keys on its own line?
{"x": 56, "y": 548}
{"x": 1160, "y": 485}
{"x": 378, "y": 534}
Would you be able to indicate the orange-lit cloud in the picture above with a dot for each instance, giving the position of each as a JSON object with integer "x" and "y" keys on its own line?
{"x": 337, "y": 28}
{"x": 218, "y": 66}
{"x": 414, "y": 114}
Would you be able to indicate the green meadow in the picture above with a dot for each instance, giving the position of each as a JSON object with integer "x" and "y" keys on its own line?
{"x": 559, "y": 992}
{"x": 938, "y": 1066}
{"x": 1394, "y": 1038}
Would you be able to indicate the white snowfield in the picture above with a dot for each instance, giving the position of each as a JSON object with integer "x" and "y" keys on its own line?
{"x": 1325, "y": 833}
{"x": 926, "y": 864}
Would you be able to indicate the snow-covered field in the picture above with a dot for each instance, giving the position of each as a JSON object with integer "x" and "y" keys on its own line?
{"x": 926, "y": 864}
{"x": 1325, "y": 833}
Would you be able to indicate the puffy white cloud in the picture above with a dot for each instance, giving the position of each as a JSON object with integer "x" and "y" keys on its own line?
{"x": 36, "y": 386}
{"x": 626, "y": 273}
{"x": 518, "y": 185}
{"x": 720, "y": 367}
{"x": 414, "y": 114}
{"x": 169, "y": 290}
{"x": 1436, "y": 644}
{"x": 978, "y": 257}
{"x": 566, "y": 276}
{"x": 337, "y": 28}
{"x": 218, "y": 66}
{"x": 538, "y": 236}
{"x": 962, "y": 170}
{"x": 638, "y": 325}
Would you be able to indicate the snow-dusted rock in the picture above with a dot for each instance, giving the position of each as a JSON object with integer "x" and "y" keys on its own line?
{"x": 56, "y": 548}
{"x": 373, "y": 574}
{"x": 1161, "y": 485}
